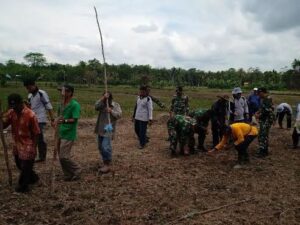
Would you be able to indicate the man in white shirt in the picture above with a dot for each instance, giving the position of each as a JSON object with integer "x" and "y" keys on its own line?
{"x": 142, "y": 115}
{"x": 40, "y": 103}
{"x": 296, "y": 132}
{"x": 239, "y": 107}
{"x": 282, "y": 110}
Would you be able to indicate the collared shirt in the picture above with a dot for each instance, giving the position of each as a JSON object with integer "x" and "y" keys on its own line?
{"x": 24, "y": 129}
{"x": 240, "y": 108}
{"x": 239, "y": 132}
{"x": 40, "y": 103}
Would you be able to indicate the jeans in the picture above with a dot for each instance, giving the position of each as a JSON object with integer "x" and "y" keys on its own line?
{"x": 42, "y": 146}
{"x": 105, "y": 149}
{"x": 140, "y": 128}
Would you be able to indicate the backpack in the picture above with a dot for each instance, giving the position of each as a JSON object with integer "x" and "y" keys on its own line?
{"x": 30, "y": 96}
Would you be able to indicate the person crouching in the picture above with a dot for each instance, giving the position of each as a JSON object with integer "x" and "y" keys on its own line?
{"x": 243, "y": 134}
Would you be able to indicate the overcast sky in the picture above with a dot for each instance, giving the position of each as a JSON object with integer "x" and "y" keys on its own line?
{"x": 203, "y": 34}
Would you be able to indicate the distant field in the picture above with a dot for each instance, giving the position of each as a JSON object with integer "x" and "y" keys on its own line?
{"x": 126, "y": 95}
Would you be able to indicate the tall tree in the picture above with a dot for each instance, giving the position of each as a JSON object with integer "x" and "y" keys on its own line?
{"x": 35, "y": 59}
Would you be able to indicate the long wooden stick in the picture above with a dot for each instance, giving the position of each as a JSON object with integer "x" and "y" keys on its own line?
{"x": 189, "y": 215}
{"x": 104, "y": 62}
{"x": 5, "y": 149}
{"x": 56, "y": 144}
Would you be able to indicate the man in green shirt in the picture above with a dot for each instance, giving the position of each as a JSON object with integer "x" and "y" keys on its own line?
{"x": 69, "y": 112}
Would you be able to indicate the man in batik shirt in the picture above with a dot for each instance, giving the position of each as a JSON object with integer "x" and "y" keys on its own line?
{"x": 25, "y": 131}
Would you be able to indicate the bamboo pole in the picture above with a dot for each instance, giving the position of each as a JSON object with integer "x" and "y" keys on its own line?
{"x": 5, "y": 148}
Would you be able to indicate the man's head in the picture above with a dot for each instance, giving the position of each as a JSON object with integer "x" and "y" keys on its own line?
{"x": 143, "y": 91}
{"x": 15, "y": 102}
{"x": 262, "y": 92}
{"x": 67, "y": 90}
{"x": 255, "y": 90}
{"x": 237, "y": 92}
{"x": 179, "y": 90}
{"x": 223, "y": 98}
{"x": 110, "y": 97}
{"x": 30, "y": 85}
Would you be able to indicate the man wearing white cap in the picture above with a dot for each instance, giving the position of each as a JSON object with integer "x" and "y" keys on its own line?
{"x": 239, "y": 107}
{"x": 282, "y": 110}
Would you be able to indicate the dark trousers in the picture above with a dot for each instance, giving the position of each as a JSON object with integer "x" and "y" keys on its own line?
{"x": 140, "y": 128}
{"x": 295, "y": 138}
{"x": 243, "y": 155}
{"x": 217, "y": 133}
{"x": 288, "y": 119}
{"x": 42, "y": 146}
{"x": 201, "y": 138}
{"x": 27, "y": 174}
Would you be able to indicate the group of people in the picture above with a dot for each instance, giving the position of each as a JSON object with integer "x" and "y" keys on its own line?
{"x": 231, "y": 121}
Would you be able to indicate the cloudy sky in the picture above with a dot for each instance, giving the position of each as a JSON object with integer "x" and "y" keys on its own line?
{"x": 203, "y": 34}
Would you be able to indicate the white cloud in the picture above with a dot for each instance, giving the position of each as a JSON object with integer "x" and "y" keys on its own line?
{"x": 208, "y": 35}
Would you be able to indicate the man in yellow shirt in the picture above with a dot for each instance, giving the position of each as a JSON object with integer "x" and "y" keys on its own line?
{"x": 243, "y": 134}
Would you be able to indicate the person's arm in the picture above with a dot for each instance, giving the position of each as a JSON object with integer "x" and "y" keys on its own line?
{"x": 100, "y": 104}
{"x": 35, "y": 130}
{"x": 6, "y": 118}
{"x": 134, "y": 111}
{"x": 222, "y": 143}
{"x": 150, "y": 110}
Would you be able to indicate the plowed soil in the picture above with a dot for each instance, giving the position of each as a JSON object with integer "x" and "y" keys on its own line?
{"x": 150, "y": 187}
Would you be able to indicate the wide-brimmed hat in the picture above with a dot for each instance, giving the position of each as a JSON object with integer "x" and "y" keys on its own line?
{"x": 224, "y": 97}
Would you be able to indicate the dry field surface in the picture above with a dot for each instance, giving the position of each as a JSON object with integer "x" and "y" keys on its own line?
{"x": 150, "y": 187}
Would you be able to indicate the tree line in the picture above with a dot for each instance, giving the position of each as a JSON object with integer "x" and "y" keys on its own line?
{"x": 91, "y": 72}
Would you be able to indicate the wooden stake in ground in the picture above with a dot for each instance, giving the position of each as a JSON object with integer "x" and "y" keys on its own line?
{"x": 56, "y": 144}
{"x": 5, "y": 148}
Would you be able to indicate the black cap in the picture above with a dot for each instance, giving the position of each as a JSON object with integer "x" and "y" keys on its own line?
{"x": 262, "y": 89}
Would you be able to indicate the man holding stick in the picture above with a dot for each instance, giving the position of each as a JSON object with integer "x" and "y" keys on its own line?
{"x": 25, "y": 131}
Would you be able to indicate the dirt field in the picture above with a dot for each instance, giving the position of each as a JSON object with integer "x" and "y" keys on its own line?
{"x": 150, "y": 187}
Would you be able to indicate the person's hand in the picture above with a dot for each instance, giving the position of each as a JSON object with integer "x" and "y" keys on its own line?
{"x": 150, "y": 122}
{"x": 132, "y": 119}
{"x": 247, "y": 116}
{"x": 53, "y": 123}
{"x": 108, "y": 110}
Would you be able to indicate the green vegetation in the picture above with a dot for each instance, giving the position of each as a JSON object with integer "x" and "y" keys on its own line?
{"x": 91, "y": 72}
{"x": 126, "y": 96}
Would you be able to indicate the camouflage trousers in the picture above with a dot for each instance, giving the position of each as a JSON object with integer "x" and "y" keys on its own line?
{"x": 185, "y": 137}
{"x": 263, "y": 137}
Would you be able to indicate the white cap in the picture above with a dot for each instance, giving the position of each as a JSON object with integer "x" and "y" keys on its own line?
{"x": 255, "y": 89}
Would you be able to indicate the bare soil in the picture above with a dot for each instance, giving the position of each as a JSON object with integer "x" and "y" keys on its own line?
{"x": 150, "y": 187}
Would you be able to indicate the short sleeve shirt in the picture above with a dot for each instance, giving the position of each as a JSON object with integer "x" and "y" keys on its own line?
{"x": 24, "y": 128}
{"x": 40, "y": 103}
{"x": 68, "y": 131}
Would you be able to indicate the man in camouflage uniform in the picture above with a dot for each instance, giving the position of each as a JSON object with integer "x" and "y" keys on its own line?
{"x": 181, "y": 128}
{"x": 266, "y": 118}
{"x": 154, "y": 99}
{"x": 179, "y": 106}
{"x": 180, "y": 103}
{"x": 202, "y": 118}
